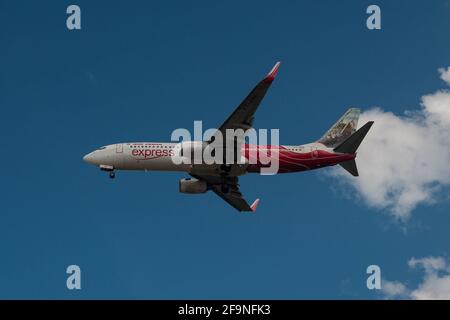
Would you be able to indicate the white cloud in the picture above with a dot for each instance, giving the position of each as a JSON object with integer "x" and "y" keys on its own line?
{"x": 394, "y": 290}
{"x": 435, "y": 284}
{"x": 429, "y": 264}
{"x": 433, "y": 288}
{"x": 437, "y": 109}
{"x": 445, "y": 74}
{"x": 404, "y": 160}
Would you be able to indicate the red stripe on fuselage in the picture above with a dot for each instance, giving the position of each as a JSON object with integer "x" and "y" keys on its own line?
{"x": 290, "y": 161}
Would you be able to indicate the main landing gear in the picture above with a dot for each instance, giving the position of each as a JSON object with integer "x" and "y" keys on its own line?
{"x": 225, "y": 188}
{"x": 112, "y": 174}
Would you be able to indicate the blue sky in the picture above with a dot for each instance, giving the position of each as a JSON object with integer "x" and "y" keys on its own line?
{"x": 136, "y": 71}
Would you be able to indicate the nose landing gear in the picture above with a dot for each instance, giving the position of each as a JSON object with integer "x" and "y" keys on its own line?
{"x": 109, "y": 169}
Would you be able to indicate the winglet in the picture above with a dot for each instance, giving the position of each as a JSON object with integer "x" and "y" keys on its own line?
{"x": 254, "y": 205}
{"x": 271, "y": 75}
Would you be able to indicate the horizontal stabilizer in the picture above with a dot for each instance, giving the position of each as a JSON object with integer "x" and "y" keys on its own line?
{"x": 351, "y": 144}
{"x": 350, "y": 166}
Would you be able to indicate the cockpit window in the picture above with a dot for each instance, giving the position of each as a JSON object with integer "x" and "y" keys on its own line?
{"x": 101, "y": 148}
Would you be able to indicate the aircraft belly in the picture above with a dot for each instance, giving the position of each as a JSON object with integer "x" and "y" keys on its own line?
{"x": 217, "y": 170}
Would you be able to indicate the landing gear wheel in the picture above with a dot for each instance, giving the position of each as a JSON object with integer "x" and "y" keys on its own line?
{"x": 225, "y": 188}
{"x": 225, "y": 168}
{"x": 112, "y": 174}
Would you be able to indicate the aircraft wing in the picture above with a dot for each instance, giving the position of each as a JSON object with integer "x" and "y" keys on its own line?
{"x": 235, "y": 199}
{"x": 242, "y": 117}
{"x": 233, "y": 196}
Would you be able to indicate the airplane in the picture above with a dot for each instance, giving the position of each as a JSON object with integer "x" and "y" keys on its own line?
{"x": 337, "y": 146}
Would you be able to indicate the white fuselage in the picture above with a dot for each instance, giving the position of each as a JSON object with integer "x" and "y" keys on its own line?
{"x": 156, "y": 156}
{"x": 137, "y": 156}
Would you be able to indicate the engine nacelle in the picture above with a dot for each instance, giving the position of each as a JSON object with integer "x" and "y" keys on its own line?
{"x": 193, "y": 186}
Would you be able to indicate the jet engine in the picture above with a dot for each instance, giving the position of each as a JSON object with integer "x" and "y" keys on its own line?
{"x": 193, "y": 186}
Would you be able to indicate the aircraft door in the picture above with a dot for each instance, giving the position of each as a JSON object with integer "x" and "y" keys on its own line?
{"x": 119, "y": 148}
{"x": 314, "y": 152}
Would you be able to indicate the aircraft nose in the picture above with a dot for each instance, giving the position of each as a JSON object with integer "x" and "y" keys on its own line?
{"x": 89, "y": 158}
